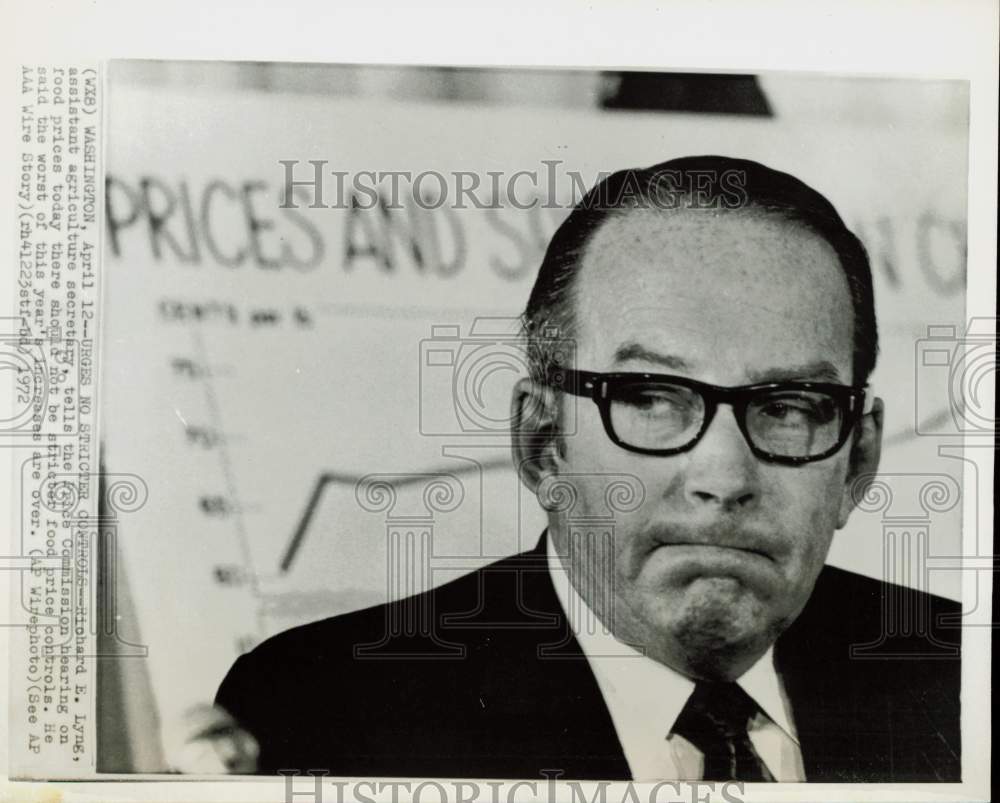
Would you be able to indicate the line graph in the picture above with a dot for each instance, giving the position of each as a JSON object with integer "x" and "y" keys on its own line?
{"x": 334, "y": 478}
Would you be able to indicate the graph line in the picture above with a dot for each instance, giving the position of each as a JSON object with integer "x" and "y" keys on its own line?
{"x": 332, "y": 477}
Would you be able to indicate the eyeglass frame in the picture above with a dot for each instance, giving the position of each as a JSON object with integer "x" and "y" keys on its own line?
{"x": 596, "y": 386}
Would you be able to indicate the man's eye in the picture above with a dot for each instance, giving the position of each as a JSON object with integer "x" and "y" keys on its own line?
{"x": 796, "y": 412}
{"x": 657, "y": 402}
{"x": 648, "y": 401}
{"x": 783, "y": 410}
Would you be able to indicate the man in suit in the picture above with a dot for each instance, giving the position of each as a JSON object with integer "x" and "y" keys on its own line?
{"x": 715, "y": 404}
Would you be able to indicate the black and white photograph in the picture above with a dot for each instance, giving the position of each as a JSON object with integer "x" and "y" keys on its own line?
{"x": 606, "y": 427}
{"x": 382, "y": 390}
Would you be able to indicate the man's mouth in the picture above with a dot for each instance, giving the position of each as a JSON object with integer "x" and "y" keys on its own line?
{"x": 684, "y": 561}
{"x": 749, "y": 543}
{"x": 721, "y": 548}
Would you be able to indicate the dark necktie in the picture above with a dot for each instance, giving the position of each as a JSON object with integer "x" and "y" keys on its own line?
{"x": 715, "y": 721}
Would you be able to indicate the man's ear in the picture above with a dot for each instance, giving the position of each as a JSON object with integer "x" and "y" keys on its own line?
{"x": 535, "y": 432}
{"x": 866, "y": 451}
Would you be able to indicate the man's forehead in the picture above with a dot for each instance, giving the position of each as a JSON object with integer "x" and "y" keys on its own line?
{"x": 702, "y": 232}
{"x": 719, "y": 284}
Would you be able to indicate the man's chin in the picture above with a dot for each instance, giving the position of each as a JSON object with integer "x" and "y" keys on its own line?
{"x": 716, "y": 626}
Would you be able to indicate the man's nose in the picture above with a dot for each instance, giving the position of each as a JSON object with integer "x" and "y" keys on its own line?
{"x": 721, "y": 470}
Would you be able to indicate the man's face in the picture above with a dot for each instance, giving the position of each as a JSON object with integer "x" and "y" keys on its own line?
{"x": 724, "y": 551}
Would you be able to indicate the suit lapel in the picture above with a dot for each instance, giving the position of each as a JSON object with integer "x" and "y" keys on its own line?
{"x": 842, "y": 710}
{"x": 556, "y": 705}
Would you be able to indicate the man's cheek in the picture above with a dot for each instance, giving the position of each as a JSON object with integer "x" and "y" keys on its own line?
{"x": 816, "y": 494}
{"x": 592, "y": 453}
{"x": 808, "y": 512}
{"x": 583, "y": 448}
{"x": 821, "y": 526}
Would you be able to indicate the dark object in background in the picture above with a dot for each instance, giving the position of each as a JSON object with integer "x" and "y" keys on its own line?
{"x": 686, "y": 92}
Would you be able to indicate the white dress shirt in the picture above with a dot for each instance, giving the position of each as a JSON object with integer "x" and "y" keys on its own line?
{"x": 645, "y": 697}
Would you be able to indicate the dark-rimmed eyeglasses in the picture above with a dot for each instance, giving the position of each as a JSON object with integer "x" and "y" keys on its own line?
{"x": 659, "y": 414}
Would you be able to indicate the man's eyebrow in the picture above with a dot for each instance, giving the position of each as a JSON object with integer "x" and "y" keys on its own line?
{"x": 819, "y": 371}
{"x": 636, "y": 351}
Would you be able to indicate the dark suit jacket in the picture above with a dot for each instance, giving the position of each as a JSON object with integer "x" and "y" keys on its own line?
{"x": 482, "y": 678}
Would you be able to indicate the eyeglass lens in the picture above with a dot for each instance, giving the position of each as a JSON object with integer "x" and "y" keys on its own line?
{"x": 788, "y": 423}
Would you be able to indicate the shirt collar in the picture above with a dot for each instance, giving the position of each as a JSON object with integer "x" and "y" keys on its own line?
{"x": 625, "y": 672}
